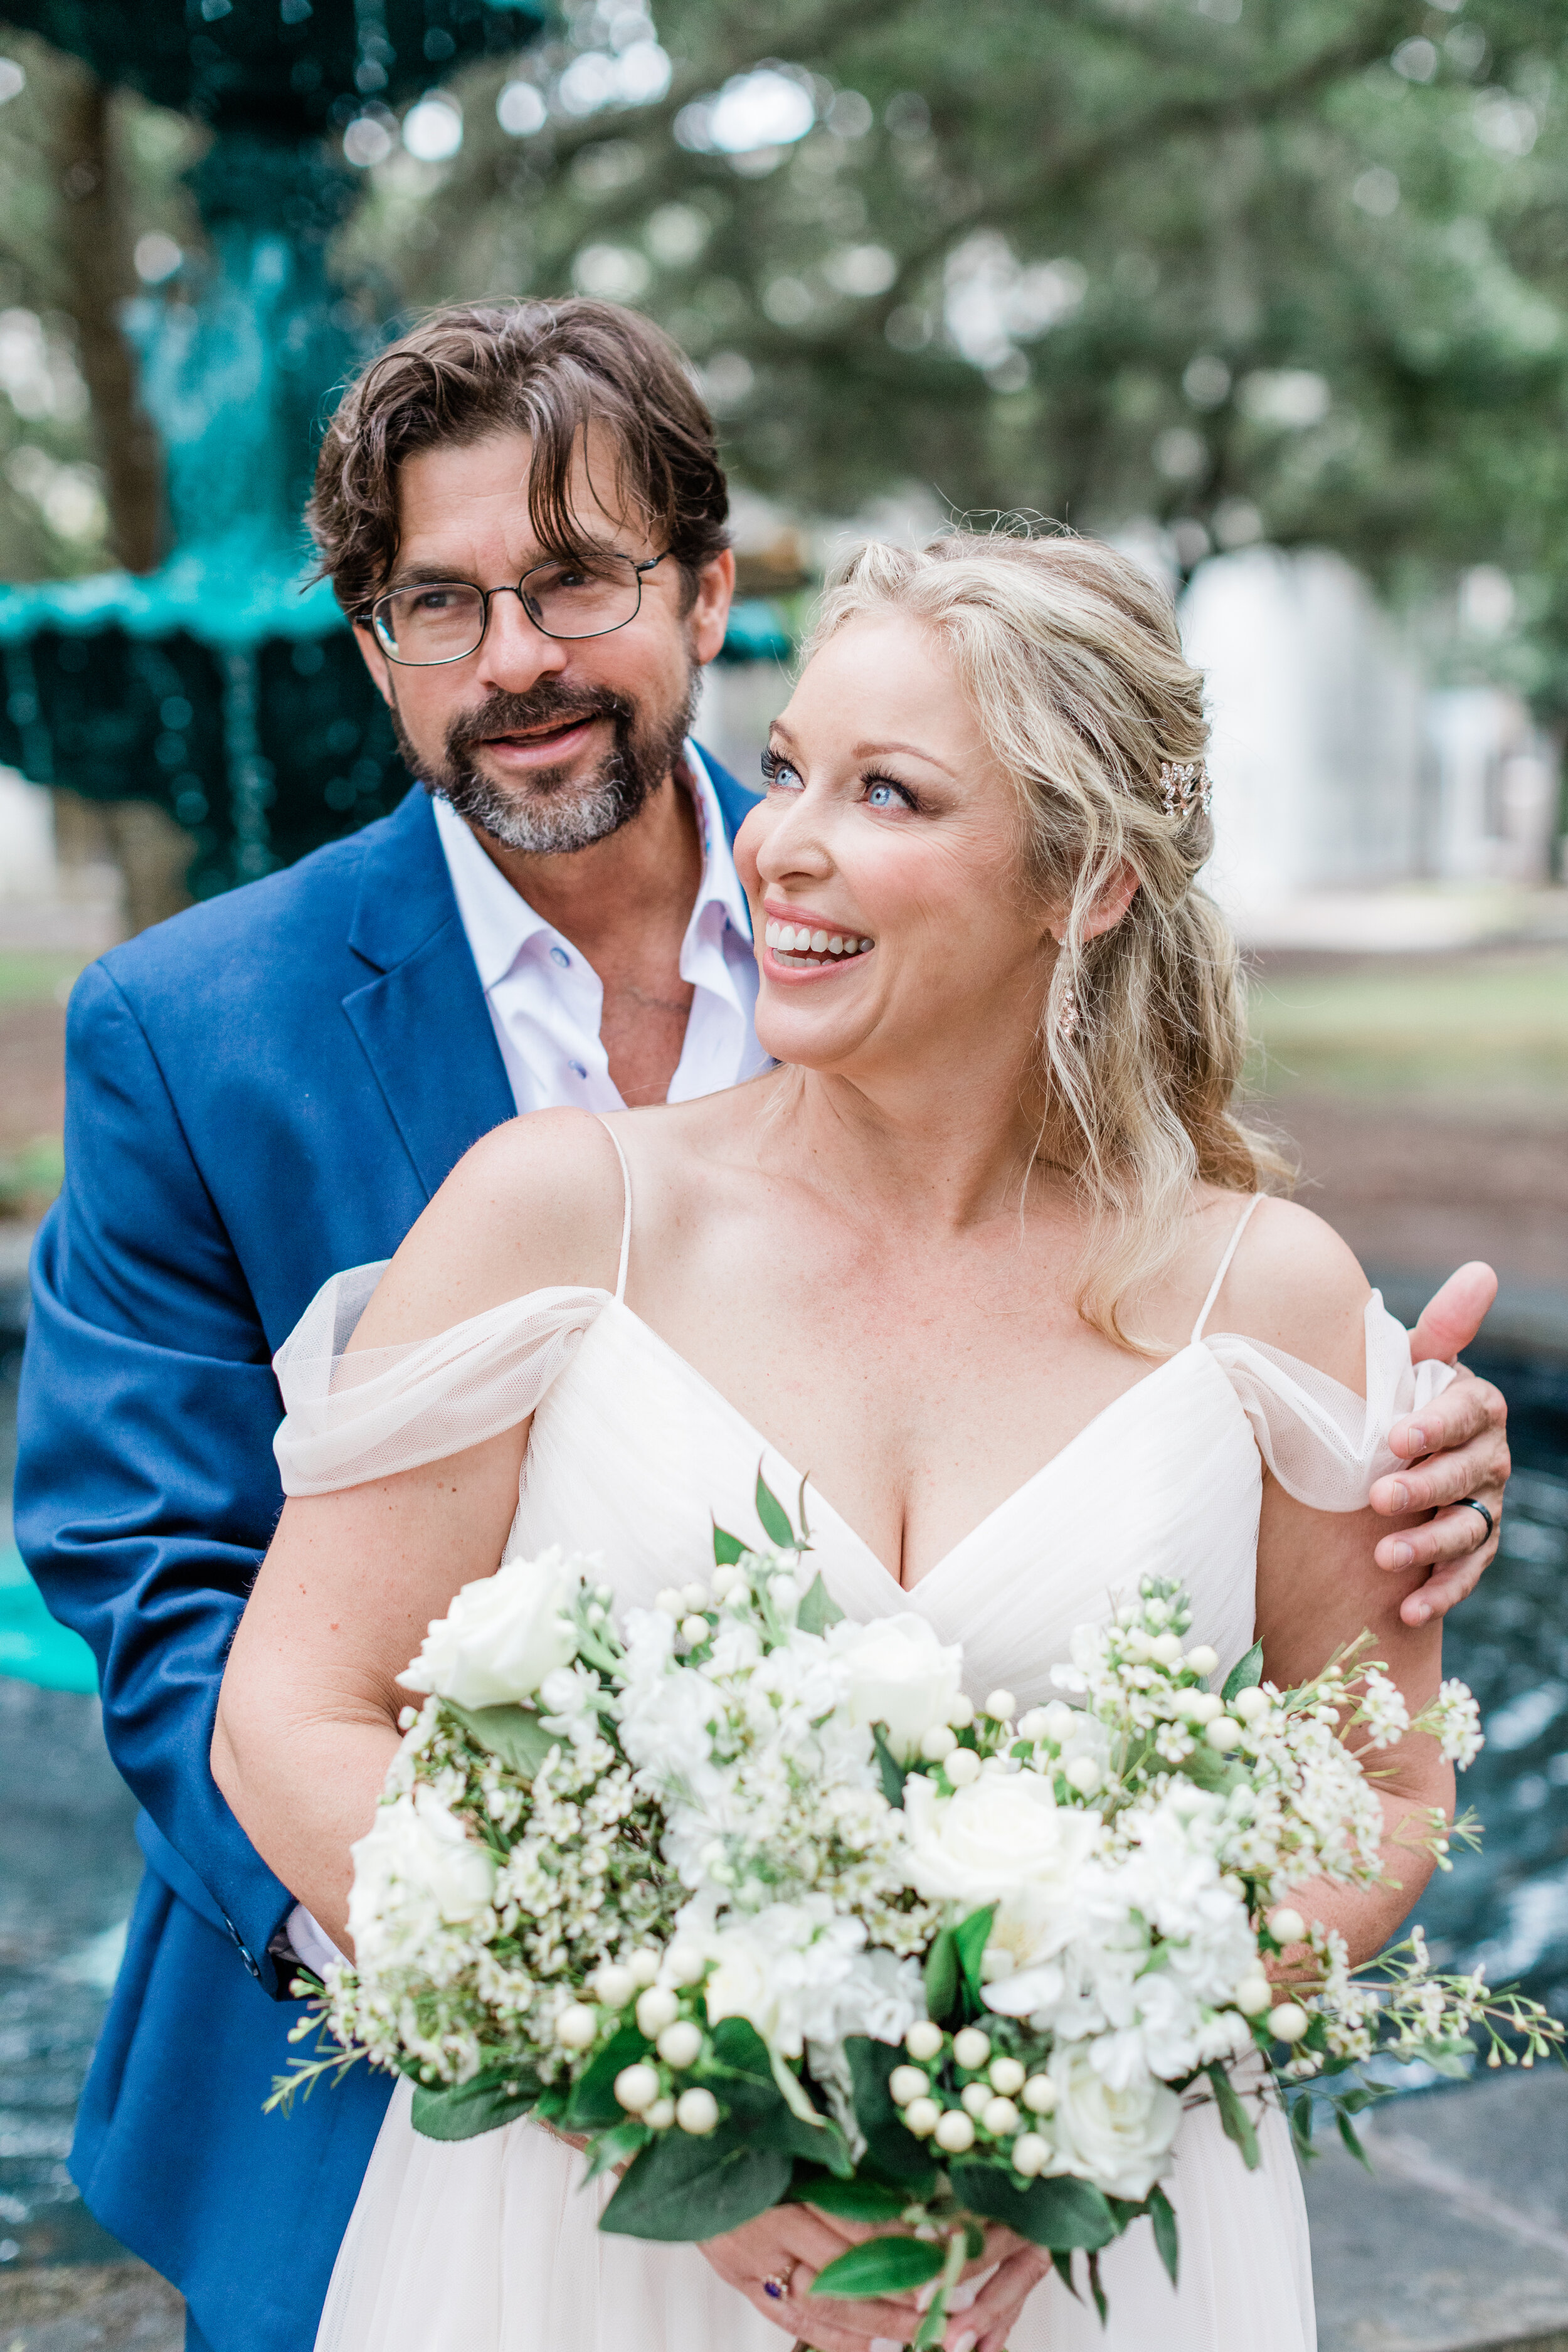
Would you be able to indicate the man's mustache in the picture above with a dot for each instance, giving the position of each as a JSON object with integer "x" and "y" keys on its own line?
{"x": 548, "y": 705}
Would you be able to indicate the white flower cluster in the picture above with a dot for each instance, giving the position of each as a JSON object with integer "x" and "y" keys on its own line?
{"x": 602, "y": 1843}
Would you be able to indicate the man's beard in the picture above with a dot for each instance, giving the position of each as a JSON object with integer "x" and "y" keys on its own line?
{"x": 552, "y": 813}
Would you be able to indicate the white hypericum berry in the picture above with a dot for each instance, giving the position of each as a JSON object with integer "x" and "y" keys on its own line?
{"x": 1031, "y": 2153}
{"x": 1223, "y": 1733}
{"x": 614, "y": 1985}
{"x": 1201, "y": 1660}
{"x": 907, "y": 2083}
{"x": 726, "y": 1580}
{"x": 694, "y": 1595}
{"x": 1000, "y": 2119}
{"x": 938, "y": 1744}
{"x": 784, "y": 1591}
{"x": 684, "y": 1963}
{"x": 923, "y": 2039}
{"x": 1287, "y": 1926}
{"x": 955, "y": 2132}
{"x": 961, "y": 1714}
{"x": 576, "y": 2026}
{"x": 1084, "y": 1775}
{"x": 637, "y": 2088}
{"x": 697, "y": 2111}
{"x": 680, "y": 2045}
{"x": 970, "y": 2048}
{"x": 963, "y": 1767}
{"x": 1290, "y": 2022}
{"x": 644, "y": 1966}
{"x": 1001, "y": 1706}
{"x": 922, "y": 2116}
{"x": 694, "y": 1629}
{"x": 1040, "y": 2095}
{"x": 669, "y": 1601}
{"x": 1006, "y": 2076}
{"x": 1253, "y": 1995}
{"x": 1165, "y": 1649}
{"x": 976, "y": 2098}
{"x": 657, "y": 2008}
{"x": 660, "y": 2116}
{"x": 1036, "y": 1724}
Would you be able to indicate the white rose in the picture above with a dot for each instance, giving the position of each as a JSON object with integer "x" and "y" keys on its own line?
{"x": 1003, "y": 1840}
{"x": 501, "y": 1634}
{"x": 416, "y": 1870}
{"x": 783, "y": 1969}
{"x": 899, "y": 1675}
{"x": 1118, "y": 2138}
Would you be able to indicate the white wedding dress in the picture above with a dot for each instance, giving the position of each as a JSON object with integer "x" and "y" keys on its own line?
{"x": 490, "y": 2244}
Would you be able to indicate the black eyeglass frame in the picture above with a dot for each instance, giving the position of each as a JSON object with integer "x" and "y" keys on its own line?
{"x": 365, "y": 616}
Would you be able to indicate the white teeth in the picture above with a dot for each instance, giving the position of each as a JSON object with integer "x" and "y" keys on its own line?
{"x": 795, "y": 940}
{"x": 819, "y": 943}
{"x": 771, "y": 935}
{"x": 836, "y": 945}
{"x": 866, "y": 945}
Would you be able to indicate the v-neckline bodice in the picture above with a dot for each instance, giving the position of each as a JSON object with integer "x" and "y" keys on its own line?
{"x": 1017, "y": 1497}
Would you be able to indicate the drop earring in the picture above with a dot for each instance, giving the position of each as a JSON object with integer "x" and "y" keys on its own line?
{"x": 1068, "y": 1015}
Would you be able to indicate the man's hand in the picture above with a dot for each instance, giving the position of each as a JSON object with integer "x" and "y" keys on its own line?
{"x": 1460, "y": 1443}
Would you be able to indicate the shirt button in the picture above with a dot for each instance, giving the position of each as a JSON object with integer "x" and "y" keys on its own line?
{"x": 577, "y": 1070}
{"x": 560, "y": 956}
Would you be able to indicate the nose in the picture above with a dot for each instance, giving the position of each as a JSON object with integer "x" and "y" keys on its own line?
{"x": 793, "y": 839}
{"x": 514, "y": 655}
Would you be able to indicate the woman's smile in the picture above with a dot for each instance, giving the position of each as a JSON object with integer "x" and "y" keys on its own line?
{"x": 806, "y": 943}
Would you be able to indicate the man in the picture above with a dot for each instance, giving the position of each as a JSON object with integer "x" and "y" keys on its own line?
{"x": 523, "y": 513}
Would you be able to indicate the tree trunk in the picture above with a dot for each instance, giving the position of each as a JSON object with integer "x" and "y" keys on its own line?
{"x": 98, "y": 277}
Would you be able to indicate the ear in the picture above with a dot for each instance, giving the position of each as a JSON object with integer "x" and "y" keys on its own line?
{"x": 374, "y": 659}
{"x": 710, "y": 613}
{"x": 1112, "y": 902}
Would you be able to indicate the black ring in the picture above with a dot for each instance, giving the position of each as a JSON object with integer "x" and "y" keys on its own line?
{"x": 1468, "y": 1503}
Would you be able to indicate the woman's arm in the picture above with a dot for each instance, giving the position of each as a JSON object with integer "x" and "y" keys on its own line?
{"x": 1297, "y": 1288}
{"x": 307, "y": 1713}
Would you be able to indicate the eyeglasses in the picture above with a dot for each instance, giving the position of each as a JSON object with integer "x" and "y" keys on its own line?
{"x": 446, "y": 620}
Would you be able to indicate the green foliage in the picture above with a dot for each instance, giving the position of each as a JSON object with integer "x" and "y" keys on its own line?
{"x": 1162, "y": 2215}
{"x": 1246, "y": 1674}
{"x": 593, "y": 2105}
{"x": 684, "y": 2185}
{"x": 819, "y": 1609}
{"x": 501, "y": 2094}
{"x": 893, "y": 2152}
{"x": 1063, "y": 2212}
{"x": 774, "y": 1518}
{"x": 880, "y": 2266}
{"x": 515, "y": 1734}
{"x": 1235, "y": 2121}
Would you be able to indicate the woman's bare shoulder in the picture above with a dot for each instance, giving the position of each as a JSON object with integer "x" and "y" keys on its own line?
{"x": 1294, "y": 1285}
{"x": 535, "y": 1203}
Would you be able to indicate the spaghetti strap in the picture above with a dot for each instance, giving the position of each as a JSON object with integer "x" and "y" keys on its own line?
{"x": 626, "y": 1221}
{"x": 1220, "y": 1272}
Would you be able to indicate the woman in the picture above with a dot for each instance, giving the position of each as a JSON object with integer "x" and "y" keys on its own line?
{"x": 958, "y": 1256}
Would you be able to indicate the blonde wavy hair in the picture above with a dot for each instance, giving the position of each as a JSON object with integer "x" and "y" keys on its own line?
{"x": 1071, "y": 659}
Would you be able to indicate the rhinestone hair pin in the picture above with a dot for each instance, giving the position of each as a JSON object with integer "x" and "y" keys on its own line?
{"x": 1185, "y": 787}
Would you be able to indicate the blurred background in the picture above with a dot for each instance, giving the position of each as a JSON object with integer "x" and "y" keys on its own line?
{"x": 1274, "y": 293}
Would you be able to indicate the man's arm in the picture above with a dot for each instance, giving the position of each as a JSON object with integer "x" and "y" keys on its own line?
{"x": 1456, "y": 1445}
{"x": 145, "y": 1485}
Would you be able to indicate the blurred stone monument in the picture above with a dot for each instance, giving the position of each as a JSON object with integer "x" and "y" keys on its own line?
{"x": 217, "y": 688}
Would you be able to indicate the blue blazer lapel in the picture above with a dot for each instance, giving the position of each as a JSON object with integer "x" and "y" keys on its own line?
{"x": 421, "y": 1019}
{"x": 734, "y": 800}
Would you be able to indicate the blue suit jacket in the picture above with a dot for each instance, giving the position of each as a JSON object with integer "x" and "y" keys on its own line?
{"x": 267, "y": 1089}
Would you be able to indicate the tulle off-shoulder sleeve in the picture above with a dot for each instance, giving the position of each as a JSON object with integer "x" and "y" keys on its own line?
{"x": 352, "y": 1418}
{"x": 1326, "y": 1446}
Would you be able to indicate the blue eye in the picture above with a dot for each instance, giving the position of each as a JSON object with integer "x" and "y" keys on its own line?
{"x": 882, "y": 796}
{"x": 778, "y": 771}
{"x": 883, "y": 792}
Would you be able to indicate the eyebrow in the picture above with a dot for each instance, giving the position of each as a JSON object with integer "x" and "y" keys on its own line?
{"x": 876, "y": 751}
{"x": 426, "y": 575}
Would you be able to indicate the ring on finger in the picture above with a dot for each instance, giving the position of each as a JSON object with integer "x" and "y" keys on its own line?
{"x": 1468, "y": 1503}
{"x": 776, "y": 2288}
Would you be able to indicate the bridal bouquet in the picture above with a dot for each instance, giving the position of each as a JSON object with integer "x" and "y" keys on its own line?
{"x": 754, "y": 1900}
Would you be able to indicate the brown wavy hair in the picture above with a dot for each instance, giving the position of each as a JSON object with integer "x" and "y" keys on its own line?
{"x": 555, "y": 370}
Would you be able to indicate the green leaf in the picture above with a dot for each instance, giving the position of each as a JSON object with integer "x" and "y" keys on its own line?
{"x": 592, "y": 2104}
{"x": 819, "y": 1609}
{"x": 515, "y": 1734}
{"x": 892, "y": 1771}
{"x": 1162, "y": 2215}
{"x": 727, "y": 1549}
{"x": 942, "y": 1975}
{"x": 1096, "y": 2290}
{"x": 929, "y": 2335}
{"x": 851, "y": 2200}
{"x": 774, "y": 1517}
{"x": 1235, "y": 2120}
{"x": 1050, "y": 2214}
{"x": 1246, "y": 1674}
{"x": 618, "y": 2147}
{"x": 894, "y": 2151}
{"x": 969, "y": 1938}
{"x": 1061, "y": 2263}
{"x": 683, "y": 2187}
{"x": 501, "y": 2095}
{"x": 1301, "y": 2120}
{"x": 1352, "y": 2139}
{"x": 881, "y": 2267}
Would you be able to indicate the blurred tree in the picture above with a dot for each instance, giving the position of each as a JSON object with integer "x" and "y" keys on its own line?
{"x": 1291, "y": 268}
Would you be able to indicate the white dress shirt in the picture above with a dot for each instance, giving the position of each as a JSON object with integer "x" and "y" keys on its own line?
{"x": 546, "y": 1001}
